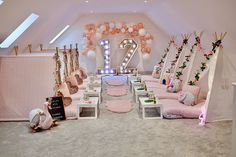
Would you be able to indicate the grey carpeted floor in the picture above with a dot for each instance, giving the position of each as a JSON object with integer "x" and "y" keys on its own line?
{"x": 118, "y": 135}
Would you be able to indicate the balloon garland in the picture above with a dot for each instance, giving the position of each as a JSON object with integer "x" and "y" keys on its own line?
{"x": 96, "y": 32}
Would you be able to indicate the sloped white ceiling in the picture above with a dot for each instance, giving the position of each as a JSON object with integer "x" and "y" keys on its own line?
{"x": 174, "y": 17}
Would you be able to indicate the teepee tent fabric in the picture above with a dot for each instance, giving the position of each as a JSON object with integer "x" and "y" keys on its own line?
{"x": 220, "y": 96}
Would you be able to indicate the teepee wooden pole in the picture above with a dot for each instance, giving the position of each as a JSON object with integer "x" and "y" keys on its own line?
{"x": 30, "y": 48}
{"x": 16, "y": 48}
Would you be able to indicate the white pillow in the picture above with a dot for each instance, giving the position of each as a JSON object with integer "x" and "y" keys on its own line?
{"x": 187, "y": 98}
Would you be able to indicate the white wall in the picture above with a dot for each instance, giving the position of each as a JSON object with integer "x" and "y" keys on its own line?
{"x": 73, "y": 35}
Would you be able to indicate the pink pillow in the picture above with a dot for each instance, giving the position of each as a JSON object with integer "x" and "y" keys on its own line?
{"x": 194, "y": 90}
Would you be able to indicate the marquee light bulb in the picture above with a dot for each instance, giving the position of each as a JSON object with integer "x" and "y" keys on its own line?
{"x": 134, "y": 45}
{"x": 102, "y": 71}
{"x": 130, "y": 41}
{"x": 125, "y": 41}
{"x": 131, "y": 50}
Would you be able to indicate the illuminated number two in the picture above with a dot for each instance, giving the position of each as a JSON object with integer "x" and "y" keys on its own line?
{"x": 131, "y": 51}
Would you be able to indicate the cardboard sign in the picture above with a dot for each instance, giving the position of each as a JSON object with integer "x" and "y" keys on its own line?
{"x": 57, "y": 108}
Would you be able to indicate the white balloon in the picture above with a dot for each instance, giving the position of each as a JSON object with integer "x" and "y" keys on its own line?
{"x": 98, "y": 36}
{"x": 103, "y": 27}
{"x": 142, "y": 32}
{"x": 130, "y": 29}
{"x": 111, "y": 25}
{"x": 91, "y": 54}
{"x": 118, "y": 25}
{"x": 146, "y": 56}
{"x": 123, "y": 30}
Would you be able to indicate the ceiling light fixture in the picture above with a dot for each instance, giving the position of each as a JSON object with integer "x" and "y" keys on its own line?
{"x": 91, "y": 11}
{"x": 145, "y": 1}
{"x": 1, "y": 1}
{"x": 86, "y": 1}
{"x": 59, "y": 34}
{"x": 19, "y": 30}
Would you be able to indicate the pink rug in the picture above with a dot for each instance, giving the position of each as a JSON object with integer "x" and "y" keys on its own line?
{"x": 119, "y": 106}
{"x": 115, "y": 82}
{"x": 117, "y": 91}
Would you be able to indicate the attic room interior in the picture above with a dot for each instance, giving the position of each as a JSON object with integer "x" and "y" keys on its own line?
{"x": 117, "y": 78}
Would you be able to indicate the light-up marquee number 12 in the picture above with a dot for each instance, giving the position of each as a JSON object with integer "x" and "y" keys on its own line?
{"x": 105, "y": 44}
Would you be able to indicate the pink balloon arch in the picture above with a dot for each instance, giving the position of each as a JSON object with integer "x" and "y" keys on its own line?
{"x": 94, "y": 33}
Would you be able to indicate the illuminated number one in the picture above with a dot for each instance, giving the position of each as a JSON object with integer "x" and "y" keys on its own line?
{"x": 131, "y": 51}
{"x": 105, "y": 44}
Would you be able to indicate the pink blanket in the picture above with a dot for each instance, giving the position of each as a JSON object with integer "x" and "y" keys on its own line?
{"x": 175, "y": 109}
{"x": 155, "y": 85}
{"x": 149, "y": 78}
{"x": 162, "y": 94}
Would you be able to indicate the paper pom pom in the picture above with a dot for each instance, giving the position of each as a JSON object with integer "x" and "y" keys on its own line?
{"x": 91, "y": 54}
{"x": 98, "y": 36}
{"x": 146, "y": 56}
{"x": 142, "y": 32}
{"x": 130, "y": 29}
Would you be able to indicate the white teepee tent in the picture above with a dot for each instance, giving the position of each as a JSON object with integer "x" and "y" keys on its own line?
{"x": 222, "y": 73}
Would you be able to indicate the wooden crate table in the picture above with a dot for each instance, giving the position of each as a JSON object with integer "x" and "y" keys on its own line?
{"x": 144, "y": 106}
{"x": 92, "y": 102}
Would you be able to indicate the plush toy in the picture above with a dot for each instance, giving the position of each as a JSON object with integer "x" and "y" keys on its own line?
{"x": 156, "y": 72}
{"x": 174, "y": 86}
{"x": 41, "y": 119}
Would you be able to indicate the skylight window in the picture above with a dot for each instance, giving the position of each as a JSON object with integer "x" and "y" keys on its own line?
{"x": 19, "y": 30}
{"x": 59, "y": 34}
{"x": 1, "y": 1}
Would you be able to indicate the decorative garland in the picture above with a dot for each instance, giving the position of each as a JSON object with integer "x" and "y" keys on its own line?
{"x": 96, "y": 32}
{"x": 183, "y": 66}
{"x": 164, "y": 56}
{"x": 185, "y": 42}
{"x": 203, "y": 66}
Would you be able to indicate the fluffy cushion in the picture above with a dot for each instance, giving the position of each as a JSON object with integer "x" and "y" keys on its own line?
{"x": 187, "y": 98}
{"x": 194, "y": 90}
